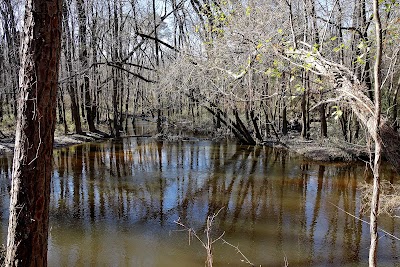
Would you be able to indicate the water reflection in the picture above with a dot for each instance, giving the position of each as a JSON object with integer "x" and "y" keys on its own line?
{"x": 114, "y": 203}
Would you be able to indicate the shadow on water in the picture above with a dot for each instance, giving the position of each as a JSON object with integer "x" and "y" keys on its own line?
{"x": 114, "y": 204}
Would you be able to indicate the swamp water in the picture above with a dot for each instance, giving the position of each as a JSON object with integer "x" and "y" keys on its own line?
{"x": 114, "y": 204}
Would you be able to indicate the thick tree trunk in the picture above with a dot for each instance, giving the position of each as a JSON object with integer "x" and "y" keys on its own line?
{"x": 30, "y": 191}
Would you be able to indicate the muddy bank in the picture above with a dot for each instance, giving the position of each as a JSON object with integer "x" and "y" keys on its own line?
{"x": 7, "y": 144}
{"x": 325, "y": 150}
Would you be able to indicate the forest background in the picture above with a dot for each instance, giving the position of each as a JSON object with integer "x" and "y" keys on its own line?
{"x": 213, "y": 67}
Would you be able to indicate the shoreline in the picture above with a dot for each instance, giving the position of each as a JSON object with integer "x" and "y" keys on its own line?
{"x": 322, "y": 150}
{"x": 60, "y": 141}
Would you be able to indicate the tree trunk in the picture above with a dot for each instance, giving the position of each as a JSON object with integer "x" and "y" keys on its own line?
{"x": 115, "y": 103}
{"x": 33, "y": 155}
{"x": 304, "y": 128}
{"x": 159, "y": 122}
{"x": 377, "y": 138}
{"x": 324, "y": 125}
{"x": 95, "y": 73}
{"x": 254, "y": 120}
{"x": 116, "y": 72}
{"x": 284, "y": 120}
{"x": 67, "y": 45}
{"x": 63, "y": 111}
{"x": 395, "y": 106}
{"x": 364, "y": 25}
{"x": 83, "y": 58}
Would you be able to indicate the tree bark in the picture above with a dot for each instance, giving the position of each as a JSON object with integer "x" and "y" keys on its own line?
{"x": 32, "y": 167}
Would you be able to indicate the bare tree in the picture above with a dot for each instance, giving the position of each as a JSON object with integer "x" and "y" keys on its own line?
{"x": 30, "y": 192}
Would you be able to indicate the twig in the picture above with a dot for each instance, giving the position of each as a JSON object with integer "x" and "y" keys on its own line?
{"x": 285, "y": 260}
{"x": 245, "y": 259}
{"x": 208, "y": 243}
{"x": 364, "y": 221}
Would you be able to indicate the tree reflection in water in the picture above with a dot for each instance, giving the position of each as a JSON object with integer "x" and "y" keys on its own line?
{"x": 114, "y": 203}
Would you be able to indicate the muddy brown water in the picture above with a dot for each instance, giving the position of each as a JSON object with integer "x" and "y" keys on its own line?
{"x": 114, "y": 204}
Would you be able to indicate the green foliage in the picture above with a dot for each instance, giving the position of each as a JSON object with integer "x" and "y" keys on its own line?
{"x": 299, "y": 88}
{"x": 307, "y": 66}
{"x": 362, "y": 45}
{"x": 273, "y": 73}
{"x": 338, "y": 48}
{"x": 389, "y": 5}
{"x": 360, "y": 59}
{"x": 248, "y": 11}
{"x": 337, "y": 113}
